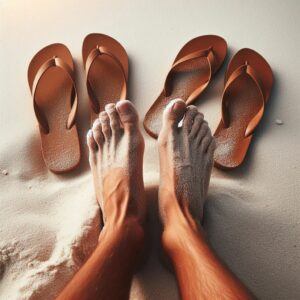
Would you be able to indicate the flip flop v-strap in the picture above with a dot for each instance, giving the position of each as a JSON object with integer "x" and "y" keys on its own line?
{"x": 248, "y": 84}
{"x": 210, "y": 58}
{"x": 192, "y": 71}
{"x": 94, "y": 54}
{"x": 54, "y": 62}
{"x": 245, "y": 69}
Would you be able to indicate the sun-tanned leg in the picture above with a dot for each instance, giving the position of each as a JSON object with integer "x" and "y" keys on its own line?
{"x": 186, "y": 160}
{"x": 116, "y": 149}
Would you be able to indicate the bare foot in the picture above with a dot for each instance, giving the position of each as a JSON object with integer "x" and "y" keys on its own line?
{"x": 116, "y": 149}
{"x": 186, "y": 160}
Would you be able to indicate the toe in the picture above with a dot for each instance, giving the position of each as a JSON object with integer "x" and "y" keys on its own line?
{"x": 113, "y": 117}
{"x": 105, "y": 124}
{"x": 174, "y": 113}
{"x": 206, "y": 141}
{"x": 201, "y": 132}
{"x": 128, "y": 114}
{"x": 97, "y": 133}
{"x": 196, "y": 124}
{"x": 189, "y": 118}
{"x": 91, "y": 142}
{"x": 211, "y": 148}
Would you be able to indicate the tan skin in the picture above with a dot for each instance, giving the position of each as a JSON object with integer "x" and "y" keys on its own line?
{"x": 108, "y": 272}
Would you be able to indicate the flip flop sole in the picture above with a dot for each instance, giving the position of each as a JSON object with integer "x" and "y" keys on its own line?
{"x": 189, "y": 76}
{"x": 104, "y": 75}
{"x": 60, "y": 146}
{"x": 245, "y": 102}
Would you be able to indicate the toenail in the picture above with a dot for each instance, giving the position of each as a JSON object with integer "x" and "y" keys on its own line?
{"x": 176, "y": 106}
{"x": 110, "y": 107}
{"x": 103, "y": 114}
{"x": 172, "y": 103}
{"x": 124, "y": 107}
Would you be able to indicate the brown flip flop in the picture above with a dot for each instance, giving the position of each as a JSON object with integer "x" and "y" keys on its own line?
{"x": 51, "y": 81}
{"x": 191, "y": 72}
{"x": 248, "y": 84}
{"x": 106, "y": 66}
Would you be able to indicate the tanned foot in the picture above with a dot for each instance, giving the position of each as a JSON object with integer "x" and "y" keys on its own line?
{"x": 186, "y": 160}
{"x": 116, "y": 148}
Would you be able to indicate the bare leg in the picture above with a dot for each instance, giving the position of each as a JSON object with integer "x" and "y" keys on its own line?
{"x": 116, "y": 149}
{"x": 186, "y": 160}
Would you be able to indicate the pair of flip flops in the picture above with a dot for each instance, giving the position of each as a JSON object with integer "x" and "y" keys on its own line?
{"x": 51, "y": 78}
{"x": 248, "y": 83}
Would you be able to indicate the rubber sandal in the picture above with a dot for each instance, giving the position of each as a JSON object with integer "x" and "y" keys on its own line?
{"x": 51, "y": 82}
{"x": 191, "y": 72}
{"x": 248, "y": 84}
{"x": 106, "y": 66}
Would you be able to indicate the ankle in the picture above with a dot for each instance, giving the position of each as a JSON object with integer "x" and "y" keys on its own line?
{"x": 176, "y": 237}
{"x": 179, "y": 226}
{"x": 129, "y": 229}
{"x": 174, "y": 211}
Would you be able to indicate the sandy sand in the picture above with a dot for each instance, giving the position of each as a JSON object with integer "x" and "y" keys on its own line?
{"x": 49, "y": 223}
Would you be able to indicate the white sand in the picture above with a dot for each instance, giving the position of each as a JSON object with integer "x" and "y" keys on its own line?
{"x": 49, "y": 223}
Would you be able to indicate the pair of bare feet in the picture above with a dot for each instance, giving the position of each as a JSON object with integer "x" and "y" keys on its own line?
{"x": 186, "y": 150}
{"x": 116, "y": 148}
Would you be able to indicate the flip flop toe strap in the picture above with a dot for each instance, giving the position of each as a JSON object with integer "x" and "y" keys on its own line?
{"x": 208, "y": 54}
{"x": 94, "y": 54}
{"x": 54, "y": 62}
{"x": 245, "y": 69}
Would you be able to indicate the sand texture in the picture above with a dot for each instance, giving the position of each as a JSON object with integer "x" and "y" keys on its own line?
{"x": 49, "y": 224}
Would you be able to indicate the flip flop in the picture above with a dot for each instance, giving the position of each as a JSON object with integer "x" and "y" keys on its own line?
{"x": 106, "y": 66}
{"x": 191, "y": 72}
{"x": 52, "y": 85}
{"x": 248, "y": 84}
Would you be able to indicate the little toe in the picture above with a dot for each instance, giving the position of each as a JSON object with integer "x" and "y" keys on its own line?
{"x": 91, "y": 142}
{"x": 211, "y": 148}
{"x": 113, "y": 117}
{"x": 174, "y": 113}
{"x": 97, "y": 133}
{"x": 198, "y": 120}
{"x": 105, "y": 124}
{"x": 189, "y": 118}
{"x": 128, "y": 114}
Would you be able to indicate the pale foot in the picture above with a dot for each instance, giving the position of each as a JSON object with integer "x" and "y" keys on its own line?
{"x": 116, "y": 148}
{"x": 186, "y": 160}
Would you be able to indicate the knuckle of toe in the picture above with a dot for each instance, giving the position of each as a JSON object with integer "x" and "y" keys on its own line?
{"x": 205, "y": 141}
{"x": 191, "y": 138}
{"x": 97, "y": 136}
{"x": 96, "y": 123}
{"x": 114, "y": 124}
{"x": 204, "y": 129}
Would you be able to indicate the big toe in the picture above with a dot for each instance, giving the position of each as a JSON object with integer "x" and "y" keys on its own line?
{"x": 174, "y": 113}
{"x": 128, "y": 114}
